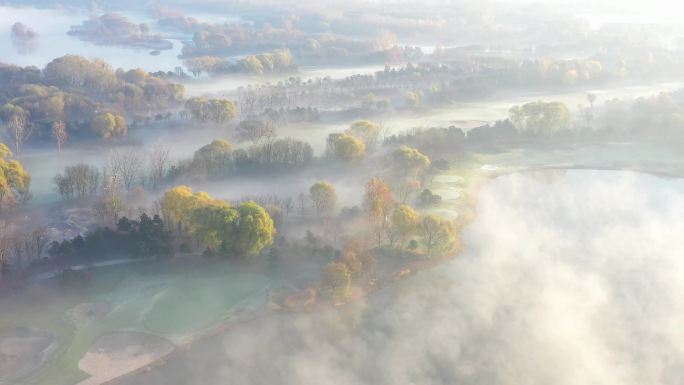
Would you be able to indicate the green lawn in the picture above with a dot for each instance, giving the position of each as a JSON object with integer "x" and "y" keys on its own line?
{"x": 162, "y": 298}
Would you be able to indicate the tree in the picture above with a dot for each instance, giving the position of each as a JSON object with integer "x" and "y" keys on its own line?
{"x": 409, "y": 161}
{"x": 124, "y": 167}
{"x": 6, "y": 234}
{"x": 111, "y": 206}
{"x": 16, "y": 125}
{"x": 158, "y": 165}
{"x": 214, "y": 158}
{"x": 214, "y": 225}
{"x": 427, "y": 199}
{"x": 412, "y": 99}
{"x": 251, "y": 64}
{"x": 337, "y": 277}
{"x": 218, "y": 111}
{"x": 255, "y": 130}
{"x": 253, "y": 230}
{"x": 405, "y": 222}
{"x": 108, "y": 125}
{"x": 178, "y": 203}
{"x": 78, "y": 181}
{"x": 437, "y": 235}
{"x": 345, "y": 147}
{"x": 197, "y": 65}
{"x": 409, "y": 166}
{"x": 540, "y": 118}
{"x": 378, "y": 202}
{"x": 15, "y": 182}
{"x": 323, "y": 197}
{"x": 59, "y": 134}
{"x": 365, "y": 130}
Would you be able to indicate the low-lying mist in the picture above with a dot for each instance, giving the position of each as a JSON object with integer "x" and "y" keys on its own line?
{"x": 566, "y": 279}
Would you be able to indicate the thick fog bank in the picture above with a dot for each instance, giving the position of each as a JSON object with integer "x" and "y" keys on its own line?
{"x": 573, "y": 279}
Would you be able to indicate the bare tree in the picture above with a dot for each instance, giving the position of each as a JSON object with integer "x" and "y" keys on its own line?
{"x": 255, "y": 130}
{"x": 35, "y": 243}
{"x": 6, "y": 233}
{"x": 111, "y": 205}
{"x": 124, "y": 167}
{"x": 59, "y": 134}
{"x": 18, "y": 130}
{"x": 159, "y": 163}
{"x": 301, "y": 199}
{"x": 18, "y": 248}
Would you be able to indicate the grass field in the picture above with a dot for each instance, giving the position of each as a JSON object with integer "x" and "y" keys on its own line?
{"x": 165, "y": 298}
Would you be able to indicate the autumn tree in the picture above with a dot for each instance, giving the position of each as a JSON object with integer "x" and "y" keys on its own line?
{"x": 368, "y": 132}
{"x": 409, "y": 166}
{"x": 345, "y": 147}
{"x": 252, "y": 231}
{"x": 323, "y": 197}
{"x": 217, "y": 111}
{"x": 241, "y": 231}
{"x": 108, "y": 125}
{"x": 213, "y": 224}
{"x": 15, "y": 182}
{"x": 337, "y": 277}
{"x": 437, "y": 235}
{"x": 540, "y": 118}
{"x": 378, "y": 203}
{"x": 214, "y": 158}
{"x": 405, "y": 223}
{"x": 178, "y": 203}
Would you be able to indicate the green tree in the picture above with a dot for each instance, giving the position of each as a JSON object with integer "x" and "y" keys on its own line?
{"x": 253, "y": 231}
{"x": 437, "y": 235}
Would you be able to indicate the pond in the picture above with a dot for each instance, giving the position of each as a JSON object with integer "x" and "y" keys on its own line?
{"x": 574, "y": 279}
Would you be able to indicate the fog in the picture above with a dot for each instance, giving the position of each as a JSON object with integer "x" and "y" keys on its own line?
{"x": 394, "y": 192}
{"x": 573, "y": 282}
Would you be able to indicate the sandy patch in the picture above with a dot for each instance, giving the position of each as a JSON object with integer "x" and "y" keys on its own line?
{"x": 22, "y": 351}
{"x": 115, "y": 354}
{"x": 89, "y": 311}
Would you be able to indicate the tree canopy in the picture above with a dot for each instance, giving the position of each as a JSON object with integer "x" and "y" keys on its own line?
{"x": 14, "y": 180}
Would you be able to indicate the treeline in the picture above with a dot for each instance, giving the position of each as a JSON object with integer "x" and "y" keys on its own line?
{"x": 278, "y": 61}
{"x": 218, "y": 159}
{"x": 73, "y": 97}
{"x": 143, "y": 237}
{"x": 229, "y": 40}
